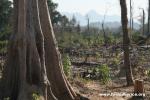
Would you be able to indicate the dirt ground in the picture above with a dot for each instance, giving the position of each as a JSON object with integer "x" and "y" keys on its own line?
{"x": 94, "y": 89}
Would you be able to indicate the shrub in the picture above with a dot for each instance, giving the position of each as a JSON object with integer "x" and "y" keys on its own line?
{"x": 115, "y": 62}
{"x": 104, "y": 73}
{"x": 138, "y": 38}
{"x": 5, "y": 33}
{"x": 97, "y": 55}
{"x": 35, "y": 96}
{"x": 147, "y": 73}
{"x": 67, "y": 65}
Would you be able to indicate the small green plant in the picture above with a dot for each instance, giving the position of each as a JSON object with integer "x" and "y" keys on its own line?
{"x": 67, "y": 65}
{"x": 35, "y": 96}
{"x": 115, "y": 62}
{"x": 147, "y": 72}
{"x": 97, "y": 55}
{"x": 104, "y": 73}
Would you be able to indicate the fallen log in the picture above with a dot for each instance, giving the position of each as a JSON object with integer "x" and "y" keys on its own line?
{"x": 85, "y": 64}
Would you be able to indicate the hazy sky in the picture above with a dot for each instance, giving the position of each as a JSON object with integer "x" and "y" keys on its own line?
{"x": 100, "y": 6}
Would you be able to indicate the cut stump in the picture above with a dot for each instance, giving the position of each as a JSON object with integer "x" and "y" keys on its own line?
{"x": 138, "y": 90}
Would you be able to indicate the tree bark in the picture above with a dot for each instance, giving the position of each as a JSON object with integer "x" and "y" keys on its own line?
{"x": 34, "y": 63}
{"x": 60, "y": 86}
{"x": 148, "y": 25}
{"x": 126, "y": 42}
{"x": 143, "y": 21}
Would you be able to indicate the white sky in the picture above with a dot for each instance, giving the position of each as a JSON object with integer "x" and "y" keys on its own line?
{"x": 100, "y": 6}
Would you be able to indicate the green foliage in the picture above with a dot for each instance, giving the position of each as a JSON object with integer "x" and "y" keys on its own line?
{"x": 99, "y": 40}
{"x": 81, "y": 40}
{"x": 110, "y": 39}
{"x": 115, "y": 62}
{"x": 5, "y": 12}
{"x": 67, "y": 65}
{"x": 56, "y": 17}
{"x": 68, "y": 40}
{"x": 138, "y": 38}
{"x": 97, "y": 55}
{"x": 5, "y": 33}
{"x": 83, "y": 80}
{"x": 104, "y": 73}
{"x": 35, "y": 96}
{"x": 3, "y": 46}
{"x": 147, "y": 73}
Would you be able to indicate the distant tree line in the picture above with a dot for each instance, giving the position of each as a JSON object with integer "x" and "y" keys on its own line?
{"x": 6, "y": 8}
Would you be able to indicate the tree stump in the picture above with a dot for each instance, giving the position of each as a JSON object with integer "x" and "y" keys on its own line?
{"x": 138, "y": 89}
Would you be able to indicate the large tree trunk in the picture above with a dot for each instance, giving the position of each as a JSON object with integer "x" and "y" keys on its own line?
{"x": 126, "y": 42}
{"x": 34, "y": 63}
{"x": 148, "y": 25}
{"x": 60, "y": 86}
